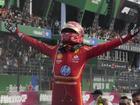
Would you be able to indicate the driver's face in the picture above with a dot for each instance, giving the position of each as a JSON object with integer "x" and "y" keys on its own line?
{"x": 71, "y": 38}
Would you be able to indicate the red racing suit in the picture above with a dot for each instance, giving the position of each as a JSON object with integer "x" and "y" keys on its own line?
{"x": 69, "y": 66}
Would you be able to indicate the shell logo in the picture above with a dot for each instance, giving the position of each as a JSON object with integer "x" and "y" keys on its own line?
{"x": 59, "y": 56}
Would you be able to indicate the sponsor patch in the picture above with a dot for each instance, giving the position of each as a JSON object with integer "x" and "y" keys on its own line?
{"x": 65, "y": 70}
{"x": 75, "y": 59}
{"x": 59, "y": 58}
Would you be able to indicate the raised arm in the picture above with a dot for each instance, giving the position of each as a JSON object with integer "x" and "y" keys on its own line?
{"x": 40, "y": 46}
{"x": 107, "y": 46}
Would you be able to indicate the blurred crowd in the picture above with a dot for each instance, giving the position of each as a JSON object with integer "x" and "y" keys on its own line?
{"x": 115, "y": 98}
{"x": 14, "y": 55}
{"x": 14, "y": 15}
{"x": 107, "y": 34}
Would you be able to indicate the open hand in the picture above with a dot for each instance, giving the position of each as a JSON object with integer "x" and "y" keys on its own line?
{"x": 134, "y": 29}
{"x": 11, "y": 27}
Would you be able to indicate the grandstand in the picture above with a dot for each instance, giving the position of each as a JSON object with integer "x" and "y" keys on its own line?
{"x": 118, "y": 68}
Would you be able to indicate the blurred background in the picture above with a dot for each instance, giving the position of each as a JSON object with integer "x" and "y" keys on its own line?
{"x": 22, "y": 68}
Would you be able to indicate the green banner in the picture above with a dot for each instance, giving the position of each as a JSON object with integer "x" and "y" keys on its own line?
{"x": 103, "y": 85}
{"x": 2, "y": 3}
{"x": 8, "y": 83}
{"x": 76, "y": 3}
{"x": 29, "y": 30}
{"x": 97, "y": 6}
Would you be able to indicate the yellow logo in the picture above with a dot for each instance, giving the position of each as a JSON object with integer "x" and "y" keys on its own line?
{"x": 59, "y": 56}
{"x": 76, "y": 51}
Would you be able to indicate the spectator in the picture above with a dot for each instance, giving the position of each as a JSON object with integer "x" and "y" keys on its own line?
{"x": 106, "y": 102}
{"x": 124, "y": 100}
{"x": 96, "y": 95}
{"x": 136, "y": 97}
{"x": 30, "y": 87}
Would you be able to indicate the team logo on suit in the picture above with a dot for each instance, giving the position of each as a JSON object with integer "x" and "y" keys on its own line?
{"x": 65, "y": 70}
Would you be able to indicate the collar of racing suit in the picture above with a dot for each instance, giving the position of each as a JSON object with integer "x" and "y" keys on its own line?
{"x": 66, "y": 47}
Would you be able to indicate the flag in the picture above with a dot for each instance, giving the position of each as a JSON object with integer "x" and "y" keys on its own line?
{"x": 34, "y": 81}
{"x": 47, "y": 34}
